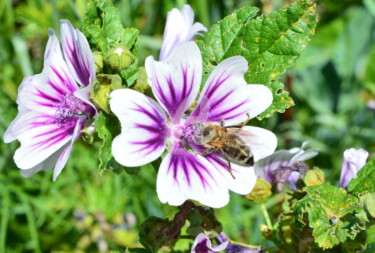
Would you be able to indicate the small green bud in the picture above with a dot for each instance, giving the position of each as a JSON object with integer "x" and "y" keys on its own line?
{"x": 261, "y": 191}
{"x": 119, "y": 58}
{"x": 369, "y": 202}
{"x": 103, "y": 85}
{"x": 98, "y": 61}
{"x": 141, "y": 84}
{"x": 89, "y": 134}
{"x": 314, "y": 177}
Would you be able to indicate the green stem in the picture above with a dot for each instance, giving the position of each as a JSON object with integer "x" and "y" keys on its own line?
{"x": 266, "y": 216}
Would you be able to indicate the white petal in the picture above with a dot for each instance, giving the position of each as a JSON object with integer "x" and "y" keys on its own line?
{"x": 143, "y": 128}
{"x": 84, "y": 95}
{"x": 78, "y": 55}
{"x": 244, "y": 176}
{"x": 43, "y": 91}
{"x": 63, "y": 158}
{"x": 179, "y": 29}
{"x": 175, "y": 82}
{"x": 45, "y": 165}
{"x": 261, "y": 141}
{"x": 184, "y": 176}
{"x": 227, "y": 97}
{"x": 42, "y": 138}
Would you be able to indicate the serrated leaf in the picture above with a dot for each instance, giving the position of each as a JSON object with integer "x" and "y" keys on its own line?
{"x": 103, "y": 27}
{"x": 364, "y": 183}
{"x": 106, "y": 125}
{"x": 333, "y": 215}
{"x": 271, "y": 44}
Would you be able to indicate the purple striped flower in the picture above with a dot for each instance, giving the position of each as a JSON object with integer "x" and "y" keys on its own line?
{"x": 202, "y": 244}
{"x": 354, "y": 160}
{"x": 285, "y": 166}
{"x": 147, "y": 130}
{"x": 234, "y": 247}
{"x": 179, "y": 29}
{"x": 52, "y": 109}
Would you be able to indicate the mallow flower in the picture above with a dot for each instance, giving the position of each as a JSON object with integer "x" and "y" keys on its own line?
{"x": 285, "y": 166}
{"x": 52, "y": 107}
{"x": 234, "y": 247}
{"x": 179, "y": 28}
{"x": 354, "y": 160}
{"x": 149, "y": 127}
{"x": 202, "y": 244}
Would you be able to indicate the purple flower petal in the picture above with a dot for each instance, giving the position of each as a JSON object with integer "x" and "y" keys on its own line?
{"x": 292, "y": 180}
{"x": 236, "y": 247}
{"x": 50, "y": 116}
{"x": 64, "y": 156}
{"x": 179, "y": 29}
{"x": 226, "y": 96}
{"x": 183, "y": 175}
{"x": 282, "y": 161}
{"x": 77, "y": 53}
{"x": 175, "y": 82}
{"x": 143, "y": 128}
{"x": 354, "y": 160}
{"x": 42, "y": 92}
{"x": 202, "y": 244}
{"x": 41, "y": 136}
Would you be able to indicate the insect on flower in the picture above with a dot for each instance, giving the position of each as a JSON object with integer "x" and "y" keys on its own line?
{"x": 230, "y": 141}
{"x": 194, "y": 167}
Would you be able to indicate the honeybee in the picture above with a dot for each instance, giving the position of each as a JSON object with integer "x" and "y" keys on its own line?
{"x": 229, "y": 141}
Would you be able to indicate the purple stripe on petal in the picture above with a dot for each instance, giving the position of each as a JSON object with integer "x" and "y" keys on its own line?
{"x": 155, "y": 115}
{"x": 188, "y": 164}
{"x": 83, "y": 73}
{"x": 65, "y": 86}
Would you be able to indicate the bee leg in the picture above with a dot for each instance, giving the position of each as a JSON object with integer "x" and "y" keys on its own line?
{"x": 248, "y": 119}
{"x": 230, "y": 168}
{"x": 238, "y": 126}
{"x": 206, "y": 151}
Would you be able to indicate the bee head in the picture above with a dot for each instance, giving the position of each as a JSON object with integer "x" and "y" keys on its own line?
{"x": 203, "y": 133}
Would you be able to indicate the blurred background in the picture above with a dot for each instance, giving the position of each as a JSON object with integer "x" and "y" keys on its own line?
{"x": 332, "y": 84}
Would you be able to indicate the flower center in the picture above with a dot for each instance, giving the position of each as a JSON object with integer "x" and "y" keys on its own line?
{"x": 69, "y": 109}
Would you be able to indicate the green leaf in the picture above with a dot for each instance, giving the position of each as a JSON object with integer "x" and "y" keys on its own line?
{"x": 103, "y": 27}
{"x": 271, "y": 44}
{"x": 333, "y": 215}
{"x": 107, "y": 125}
{"x": 364, "y": 183}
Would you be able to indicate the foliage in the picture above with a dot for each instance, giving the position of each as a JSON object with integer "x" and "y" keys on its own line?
{"x": 270, "y": 44}
{"x": 364, "y": 183}
{"x": 331, "y": 214}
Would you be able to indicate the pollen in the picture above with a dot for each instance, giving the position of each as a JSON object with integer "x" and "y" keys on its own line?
{"x": 69, "y": 109}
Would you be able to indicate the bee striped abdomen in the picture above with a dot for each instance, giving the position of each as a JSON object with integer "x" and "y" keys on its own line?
{"x": 238, "y": 152}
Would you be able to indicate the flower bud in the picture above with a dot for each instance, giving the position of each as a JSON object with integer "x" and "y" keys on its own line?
{"x": 98, "y": 62}
{"x": 261, "y": 191}
{"x": 119, "y": 58}
{"x": 314, "y": 177}
{"x": 89, "y": 134}
{"x": 103, "y": 85}
{"x": 354, "y": 160}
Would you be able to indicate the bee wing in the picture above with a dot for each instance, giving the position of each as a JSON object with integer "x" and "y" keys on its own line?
{"x": 261, "y": 141}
